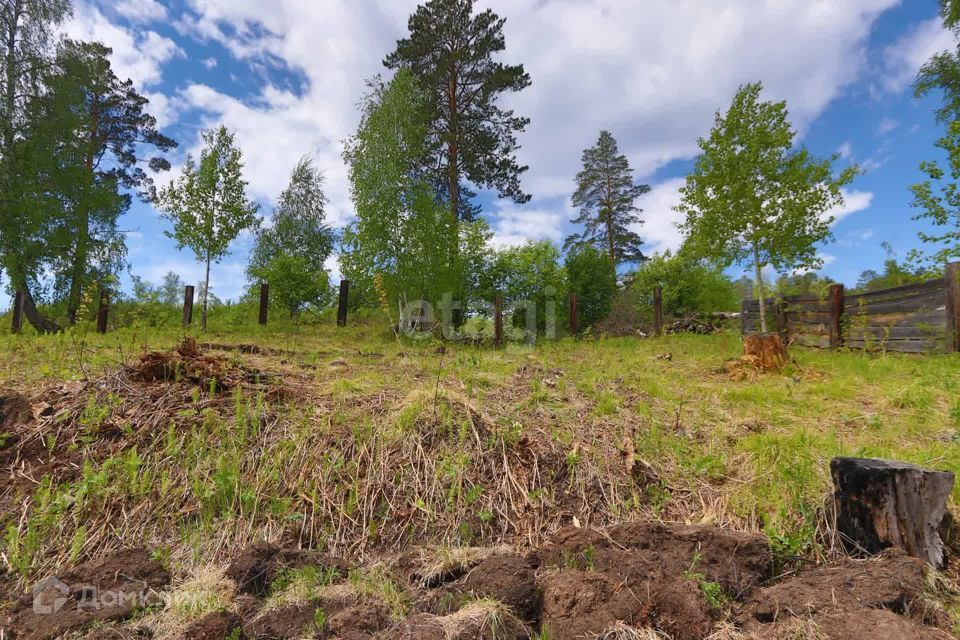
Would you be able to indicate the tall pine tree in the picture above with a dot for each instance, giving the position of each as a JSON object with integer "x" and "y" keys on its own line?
{"x": 92, "y": 131}
{"x": 451, "y": 51}
{"x": 606, "y": 197}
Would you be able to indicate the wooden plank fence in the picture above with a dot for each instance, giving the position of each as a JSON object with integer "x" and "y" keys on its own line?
{"x": 914, "y": 318}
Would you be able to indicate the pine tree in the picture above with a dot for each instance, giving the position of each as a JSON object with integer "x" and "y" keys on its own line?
{"x": 451, "y": 51}
{"x": 606, "y": 196}
{"x": 92, "y": 131}
{"x": 208, "y": 204}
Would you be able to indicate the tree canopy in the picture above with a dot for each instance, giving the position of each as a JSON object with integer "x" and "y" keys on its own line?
{"x": 753, "y": 198}
{"x": 208, "y": 203}
{"x": 402, "y": 233}
{"x": 291, "y": 253}
{"x": 606, "y": 196}
{"x": 454, "y": 55}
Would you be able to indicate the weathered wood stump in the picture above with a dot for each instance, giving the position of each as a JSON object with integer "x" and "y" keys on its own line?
{"x": 882, "y": 504}
{"x": 766, "y": 350}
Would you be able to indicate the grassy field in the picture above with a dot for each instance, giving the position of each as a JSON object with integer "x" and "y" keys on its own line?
{"x": 349, "y": 440}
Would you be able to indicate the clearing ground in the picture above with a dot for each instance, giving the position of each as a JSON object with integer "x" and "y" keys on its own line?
{"x": 333, "y": 483}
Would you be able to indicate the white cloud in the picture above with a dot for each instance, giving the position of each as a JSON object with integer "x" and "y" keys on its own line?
{"x": 887, "y": 124}
{"x": 854, "y": 201}
{"x": 274, "y": 130}
{"x": 904, "y": 57}
{"x": 652, "y": 73}
{"x": 659, "y": 231}
{"x": 137, "y": 55}
{"x": 845, "y": 150}
{"x": 210, "y": 63}
{"x": 332, "y": 265}
{"x": 513, "y": 225}
{"x": 141, "y": 10}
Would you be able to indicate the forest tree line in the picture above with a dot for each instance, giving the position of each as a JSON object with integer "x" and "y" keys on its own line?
{"x": 78, "y": 145}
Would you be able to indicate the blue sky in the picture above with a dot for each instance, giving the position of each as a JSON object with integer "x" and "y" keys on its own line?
{"x": 286, "y": 75}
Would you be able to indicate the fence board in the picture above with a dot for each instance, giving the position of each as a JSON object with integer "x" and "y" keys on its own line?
{"x": 910, "y": 318}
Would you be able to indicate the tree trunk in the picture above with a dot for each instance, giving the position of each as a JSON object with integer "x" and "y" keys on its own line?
{"x": 763, "y": 303}
{"x": 81, "y": 252}
{"x": 206, "y": 295}
{"x": 882, "y": 504}
{"x": 41, "y": 324}
{"x": 766, "y": 349}
{"x": 453, "y": 148}
{"x": 79, "y": 268}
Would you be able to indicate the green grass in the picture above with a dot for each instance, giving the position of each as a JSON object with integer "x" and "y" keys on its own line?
{"x": 369, "y": 453}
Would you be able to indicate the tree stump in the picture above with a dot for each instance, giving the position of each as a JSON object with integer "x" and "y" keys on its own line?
{"x": 766, "y": 350}
{"x": 882, "y": 504}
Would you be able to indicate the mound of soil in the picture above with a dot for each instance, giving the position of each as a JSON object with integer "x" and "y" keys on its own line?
{"x": 259, "y": 565}
{"x": 217, "y": 625}
{"x": 508, "y": 578}
{"x": 15, "y": 410}
{"x": 102, "y": 590}
{"x": 834, "y": 595}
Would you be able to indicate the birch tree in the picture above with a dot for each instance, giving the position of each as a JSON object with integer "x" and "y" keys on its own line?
{"x": 754, "y": 199}
{"x": 208, "y": 204}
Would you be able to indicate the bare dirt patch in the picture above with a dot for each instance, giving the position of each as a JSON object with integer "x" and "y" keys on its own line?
{"x": 102, "y": 590}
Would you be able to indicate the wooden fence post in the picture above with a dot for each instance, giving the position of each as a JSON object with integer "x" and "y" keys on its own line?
{"x": 574, "y": 327}
{"x": 104, "y": 311}
{"x": 836, "y": 315}
{"x": 18, "y": 301}
{"x": 780, "y": 316}
{"x": 658, "y": 310}
{"x": 342, "y": 303}
{"x": 498, "y": 320}
{"x": 952, "y": 282}
{"x": 264, "y": 302}
{"x": 188, "y": 305}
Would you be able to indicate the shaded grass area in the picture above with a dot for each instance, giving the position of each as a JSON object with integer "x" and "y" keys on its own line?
{"x": 364, "y": 446}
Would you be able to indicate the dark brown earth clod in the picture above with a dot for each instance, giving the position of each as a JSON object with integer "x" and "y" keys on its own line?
{"x": 102, "y": 590}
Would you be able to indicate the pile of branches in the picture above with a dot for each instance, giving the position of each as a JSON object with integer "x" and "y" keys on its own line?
{"x": 693, "y": 324}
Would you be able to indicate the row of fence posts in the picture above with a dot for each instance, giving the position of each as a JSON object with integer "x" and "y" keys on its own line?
{"x": 103, "y": 311}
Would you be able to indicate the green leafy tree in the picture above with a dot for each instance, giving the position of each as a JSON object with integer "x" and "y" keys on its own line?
{"x": 171, "y": 289}
{"x": 453, "y": 54}
{"x": 950, "y": 11}
{"x": 402, "y": 233}
{"x": 592, "y": 278}
{"x": 476, "y": 258}
{"x": 803, "y": 284}
{"x": 606, "y": 197}
{"x": 531, "y": 274}
{"x": 938, "y": 199}
{"x": 208, "y": 204}
{"x": 752, "y": 199}
{"x": 90, "y": 136}
{"x": 689, "y": 285}
{"x": 27, "y": 33}
{"x": 290, "y": 254}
